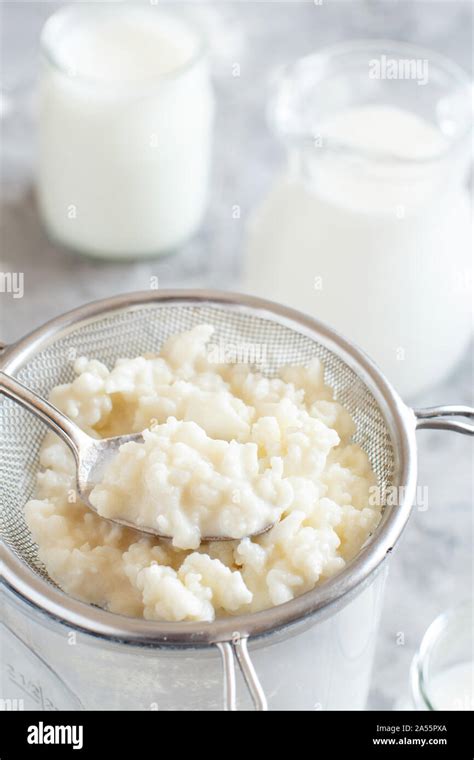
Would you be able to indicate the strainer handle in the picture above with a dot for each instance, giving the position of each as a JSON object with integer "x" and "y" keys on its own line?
{"x": 57, "y": 421}
{"x": 432, "y": 418}
{"x": 236, "y": 649}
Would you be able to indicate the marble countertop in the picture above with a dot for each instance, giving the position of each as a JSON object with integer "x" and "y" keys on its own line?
{"x": 432, "y": 568}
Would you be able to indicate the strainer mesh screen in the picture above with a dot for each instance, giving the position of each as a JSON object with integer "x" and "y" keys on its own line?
{"x": 130, "y": 332}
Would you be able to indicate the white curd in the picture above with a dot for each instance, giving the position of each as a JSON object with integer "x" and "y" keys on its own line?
{"x": 225, "y": 448}
{"x": 184, "y": 484}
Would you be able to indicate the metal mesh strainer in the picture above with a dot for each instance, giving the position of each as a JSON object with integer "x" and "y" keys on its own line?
{"x": 133, "y": 332}
{"x": 129, "y": 325}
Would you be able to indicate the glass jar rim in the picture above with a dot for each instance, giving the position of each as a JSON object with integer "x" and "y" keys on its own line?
{"x": 57, "y": 21}
{"x": 318, "y": 61}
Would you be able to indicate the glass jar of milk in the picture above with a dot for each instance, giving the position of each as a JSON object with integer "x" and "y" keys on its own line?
{"x": 442, "y": 672}
{"x": 368, "y": 228}
{"x": 126, "y": 112}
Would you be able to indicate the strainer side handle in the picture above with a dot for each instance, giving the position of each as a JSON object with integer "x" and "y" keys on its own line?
{"x": 236, "y": 649}
{"x": 56, "y": 420}
{"x": 432, "y": 417}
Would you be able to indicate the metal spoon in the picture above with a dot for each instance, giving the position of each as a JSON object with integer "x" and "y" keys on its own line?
{"x": 92, "y": 455}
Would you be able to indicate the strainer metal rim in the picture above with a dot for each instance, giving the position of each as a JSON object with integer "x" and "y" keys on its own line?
{"x": 400, "y": 420}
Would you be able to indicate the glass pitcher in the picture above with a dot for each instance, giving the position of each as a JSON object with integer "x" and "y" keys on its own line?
{"x": 368, "y": 227}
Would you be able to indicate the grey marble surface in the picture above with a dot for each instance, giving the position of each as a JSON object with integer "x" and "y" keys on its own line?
{"x": 432, "y": 568}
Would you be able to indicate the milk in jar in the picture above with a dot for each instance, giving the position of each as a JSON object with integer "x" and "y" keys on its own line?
{"x": 126, "y": 112}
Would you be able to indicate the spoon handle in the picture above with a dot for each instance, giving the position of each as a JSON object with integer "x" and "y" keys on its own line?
{"x": 57, "y": 421}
